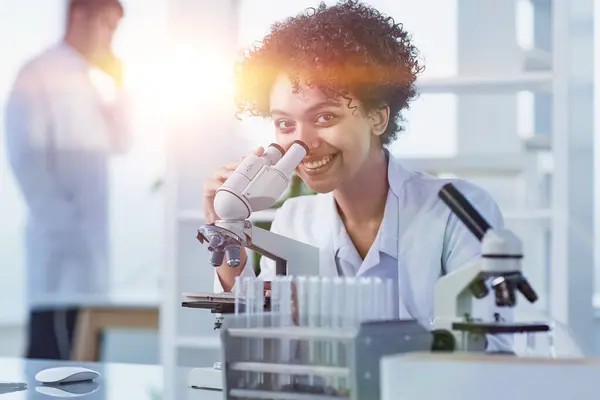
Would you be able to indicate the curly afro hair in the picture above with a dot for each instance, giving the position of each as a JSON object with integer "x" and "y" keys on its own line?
{"x": 349, "y": 49}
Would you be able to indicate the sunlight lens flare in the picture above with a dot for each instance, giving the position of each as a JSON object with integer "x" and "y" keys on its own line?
{"x": 182, "y": 82}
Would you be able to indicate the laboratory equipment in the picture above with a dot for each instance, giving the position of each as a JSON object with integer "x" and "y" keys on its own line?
{"x": 256, "y": 185}
{"x": 325, "y": 336}
{"x": 311, "y": 345}
{"x": 499, "y": 266}
{"x": 339, "y": 357}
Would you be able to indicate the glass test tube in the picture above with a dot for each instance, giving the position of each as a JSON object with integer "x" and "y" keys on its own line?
{"x": 237, "y": 292}
{"x": 326, "y": 322}
{"x": 350, "y": 307}
{"x": 378, "y": 299}
{"x": 314, "y": 310}
{"x": 285, "y": 320}
{"x": 338, "y": 291}
{"x": 350, "y": 318}
{"x": 258, "y": 309}
{"x": 250, "y": 289}
{"x": 244, "y": 294}
{"x": 366, "y": 300}
{"x": 302, "y": 321}
{"x": 274, "y": 348}
{"x": 390, "y": 299}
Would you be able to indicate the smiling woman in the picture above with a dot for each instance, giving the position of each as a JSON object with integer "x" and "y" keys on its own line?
{"x": 339, "y": 78}
{"x": 342, "y": 95}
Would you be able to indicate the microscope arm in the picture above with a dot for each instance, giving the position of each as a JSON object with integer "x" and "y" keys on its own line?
{"x": 291, "y": 257}
{"x": 456, "y": 285}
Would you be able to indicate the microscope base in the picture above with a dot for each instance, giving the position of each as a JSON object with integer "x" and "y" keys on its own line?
{"x": 206, "y": 378}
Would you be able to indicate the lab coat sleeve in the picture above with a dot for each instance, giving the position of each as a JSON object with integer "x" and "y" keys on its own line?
{"x": 461, "y": 247}
{"x": 30, "y": 154}
{"x": 267, "y": 266}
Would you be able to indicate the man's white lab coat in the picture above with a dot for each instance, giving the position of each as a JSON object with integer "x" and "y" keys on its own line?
{"x": 59, "y": 136}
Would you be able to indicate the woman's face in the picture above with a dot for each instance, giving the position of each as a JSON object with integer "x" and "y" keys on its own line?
{"x": 340, "y": 138}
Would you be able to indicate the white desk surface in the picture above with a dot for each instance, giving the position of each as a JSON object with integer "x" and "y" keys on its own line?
{"x": 474, "y": 377}
{"x": 116, "y": 382}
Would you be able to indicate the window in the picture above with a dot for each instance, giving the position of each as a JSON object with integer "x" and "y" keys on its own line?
{"x": 136, "y": 205}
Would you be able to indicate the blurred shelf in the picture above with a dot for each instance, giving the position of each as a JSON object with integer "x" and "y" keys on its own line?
{"x": 542, "y": 215}
{"x": 541, "y": 3}
{"x": 199, "y": 342}
{"x": 268, "y": 215}
{"x": 538, "y": 142}
{"x": 537, "y": 60}
{"x": 488, "y": 165}
{"x": 531, "y": 81}
{"x": 198, "y": 216}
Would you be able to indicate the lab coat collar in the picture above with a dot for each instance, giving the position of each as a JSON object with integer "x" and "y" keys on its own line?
{"x": 397, "y": 174}
{"x": 387, "y": 238}
{"x": 72, "y": 53}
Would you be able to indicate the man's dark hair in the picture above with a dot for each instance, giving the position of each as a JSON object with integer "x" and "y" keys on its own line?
{"x": 346, "y": 49}
{"x": 94, "y": 5}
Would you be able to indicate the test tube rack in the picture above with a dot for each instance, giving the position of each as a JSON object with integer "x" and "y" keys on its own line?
{"x": 270, "y": 373}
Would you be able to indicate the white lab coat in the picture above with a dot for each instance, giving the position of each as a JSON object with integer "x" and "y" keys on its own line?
{"x": 430, "y": 239}
{"x": 59, "y": 135}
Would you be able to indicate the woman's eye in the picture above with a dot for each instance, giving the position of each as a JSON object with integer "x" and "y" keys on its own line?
{"x": 284, "y": 124}
{"x": 325, "y": 118}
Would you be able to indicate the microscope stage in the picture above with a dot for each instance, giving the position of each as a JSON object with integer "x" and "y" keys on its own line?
{"x": 219, "y": 303}
{"x": 500, "y": 327}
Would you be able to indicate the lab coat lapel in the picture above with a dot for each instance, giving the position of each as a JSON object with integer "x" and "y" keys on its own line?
{"x": 397, "y": 176}
{"x": 325, "y": 226}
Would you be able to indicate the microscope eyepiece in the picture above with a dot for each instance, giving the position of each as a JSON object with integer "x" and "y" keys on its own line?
{"x": 464, "y": 210}
{"x": 273, "y": 153}
{"x": 301, "y": 143}
{"x": 292, "y": 158}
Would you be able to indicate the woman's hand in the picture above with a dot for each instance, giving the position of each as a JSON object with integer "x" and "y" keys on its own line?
{"x": 215, "y": 182}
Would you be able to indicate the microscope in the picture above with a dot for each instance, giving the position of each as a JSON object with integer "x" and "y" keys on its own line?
{"x": 498, "y": 268}
{"x": 255, "y": 185}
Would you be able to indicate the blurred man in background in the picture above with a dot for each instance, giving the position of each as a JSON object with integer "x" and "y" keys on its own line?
{"x": 60, "y": 133}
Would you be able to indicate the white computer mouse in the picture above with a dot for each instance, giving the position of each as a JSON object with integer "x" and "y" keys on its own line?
{"x": 59, "y": 375}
